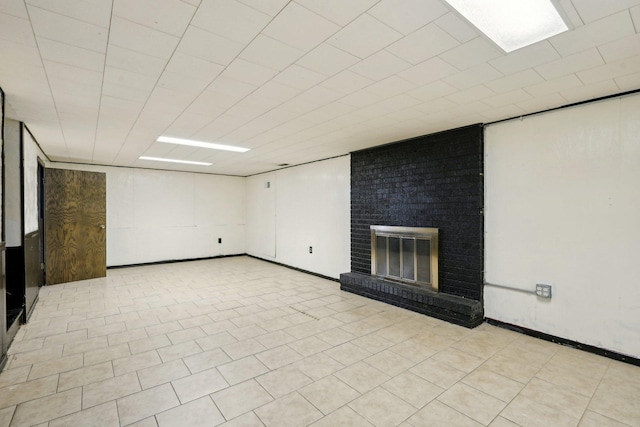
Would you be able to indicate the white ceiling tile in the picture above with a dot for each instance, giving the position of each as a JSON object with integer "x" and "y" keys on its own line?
{"x": 457, "y": 27}
{"x": 364, "y": 36}
{"x": 472, "y": 94}
{"x": 96, "y": 12}
{"x": 167, "y": 16}
{"x": 81, "y": 76}
{"x": 15, "y": 55}
{"x": 471, "y": 53}
{"x": 398, "y": 102}
{"x": 68, "y": 30}
{"x": 542, "y": 103}
{"x": 380, "y": 65}
{"x": 406, "y": 16}
{"x": 339, "y": 11}
{"x": 300, "y": 28}
{"x": 298, "y": 77}
{"x": 136, "y": 62}
{"x": 635, "y": 15}
{"x": 230, "y": 19}
{"x": 186, "y": 125}
{"x": 235, "y": 88}
{"x": 270, "y": 7}
{"x": 180, "y": 83}
{"x": 429, "y": 71}
{"x": 190, "y": 67}
{"x": 528, "y": 57}
{"x": 136, "y": 37}
{"x": 208, "y": 46}
{"x": 346, "y": 82}
{"x": 327, "y": 60}
{"x": 15, "y": 8}
{"x": 474, "y": 76}
{"x": 211, "y": 104}
{"x": 16, "y": 30}
{"x": 436, "y": 105}
{"x": 628, "y": 82}
{"x": 552, "y": 86}
{"x": 585, "y": 93}
{"x": 277, "y": 91}
{"x": 361, "y": 99}
{"x": 328, "y": 112}
{"x": 128, "y": 93}
{"x": 570, "y": 64}
{"x": 514, "y": 81}
{"x": 620, "y": 49}
{"x": 592, "y": 10}
{"x": 571, "y": 14}
{"x": 501, "y": 113}
{"x": 271, "y": 53}
{"x": 66, "y": 54}
{"x": 603, "y": 31}
{"x": 248, "y": 72}
{"x": 193, "y": 2}
{"x": 423, "y": 44}
{"x": 611, "y": 70}
{"x": 507, "y": 98}
{"x": 319, "y": 95}
{"x": 391, "y": 86}
{"x": 437, "y": 89}
{"x": 129, "y": 79}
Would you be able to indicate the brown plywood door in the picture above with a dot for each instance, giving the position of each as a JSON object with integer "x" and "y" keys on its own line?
{"x": 75, "y": 225}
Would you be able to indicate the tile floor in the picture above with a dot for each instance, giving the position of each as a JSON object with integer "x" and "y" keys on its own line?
{"x": 241, "y": 342}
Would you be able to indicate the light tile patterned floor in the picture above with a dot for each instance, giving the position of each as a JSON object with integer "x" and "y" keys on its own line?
{"x": 242, "y": 342}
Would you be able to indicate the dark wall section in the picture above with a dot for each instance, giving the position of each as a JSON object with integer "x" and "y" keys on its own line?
{"x": 430, "y": 181}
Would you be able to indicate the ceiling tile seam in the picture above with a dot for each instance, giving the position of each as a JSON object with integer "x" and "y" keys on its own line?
{"x": 53, "y": 99}
{"x": 218, "y": 75}
{"x": 104, "y": 68}
{"x": 26, "y": 22}
{"x": 14, "y": 15}
{"x": 28, "y": 5}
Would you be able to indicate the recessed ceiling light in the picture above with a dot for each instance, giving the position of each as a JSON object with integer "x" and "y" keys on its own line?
{"x": 201, "y": 144}
{"x": 162, "y": 159}
{"x": 512, "y": 24}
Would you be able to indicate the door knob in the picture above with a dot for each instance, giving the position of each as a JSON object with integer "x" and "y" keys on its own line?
{"x": 102, "y": 226}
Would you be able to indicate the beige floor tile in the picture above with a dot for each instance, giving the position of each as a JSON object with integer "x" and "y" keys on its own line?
{"x": 438, "y": 373}
{"x": 412, "y": 350}
{"x": 515, "y": 369}
{"x": 163, "y": 328}
{"x": 64, "y": 364}
{"x": 247, "y": 420}
{"x": 493, "y": 384}
{"x": 329, "y": 394}
{"x": 25, "y": 346}
{"x": 146, "y": 403}
{"x": 389, "y": 362}
{"x": 67, "y": 337}
{"x": 192, "y": 322}
{"x": 289, "y": 411}
{"x": 413, "y": 389}
{"x": 437, "y": 414}
{"x": 275, "y": 339}
{"x": 335, "y": 337}
{"x": 9, "y": 377}
{"x": 241, "y": 398}
{"x": 183, "y": 335}
{"x": 347, "y": 353}
{"x": 472, "y": 403}
{"x": 198, "y": 385}
{"x": 83, "y": 376}
{"x": 216, "y": 340}
{"x": 104, "y": 354}
{"x": 111, "y": 328}
{"x": 163, "y": 373}
{"x": 458, "y": 359}
{"x": 105, "y": 415}
{"x": 309, "y": 346}
{"x": 29, "y": 390}
{"x": 585, "y": 385}
{"x": 127, "y": 336}
{"x": 136, "y": 362}
{"x": 178, "y": 351}
{"x": 556, "y": 397}
{"x": 247, "y": 332}
{"x": 373, "y": 343}
{"x": 278, "y": 357}
{"x": 100, "y": 392}
{"x": 47, "y": 408}
{"x": 283, "y": 381}
{"x": 529, "y": 413}
{"x": 83, "y": 346}
{"x": 206, "y": 360}
{"x": 344, "y": 416}
{"x": 503, "y": 422}
{"x": 318, "y": 366}
{"x": 362, "y": 377}
{"x": 146, "y": 344}
{"x": 382, "y": 409}
{"x": 46, "y": 354}
{"x": 241, "y": 349}
{"x": 6, "y": 415}
{"x": 593, "y": 419}
{"x": 617, "y": 398}
{"x": 198, "y": 413}
{"x": 241, "y": 370}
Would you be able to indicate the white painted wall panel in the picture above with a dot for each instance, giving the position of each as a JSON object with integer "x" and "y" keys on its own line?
{"x": 312, "y": 208}
{"x": 12, "y": 185}
{"x": 31, "y": 153}
{"x": 562, "y": 207}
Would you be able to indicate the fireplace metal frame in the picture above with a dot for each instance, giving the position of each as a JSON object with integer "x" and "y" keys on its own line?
{"x": 407, "y": 233}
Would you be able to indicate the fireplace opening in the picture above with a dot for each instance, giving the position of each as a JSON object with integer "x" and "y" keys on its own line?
{"x": 405, "y": 254}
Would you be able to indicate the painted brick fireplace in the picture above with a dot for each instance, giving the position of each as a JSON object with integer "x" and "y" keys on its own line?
{"x": 431, "y": 181}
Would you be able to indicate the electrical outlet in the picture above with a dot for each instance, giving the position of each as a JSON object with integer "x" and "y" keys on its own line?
{"x": 543, "y": 291}
{"x": 310, "y": 249}
{"x": 219, "y": 239}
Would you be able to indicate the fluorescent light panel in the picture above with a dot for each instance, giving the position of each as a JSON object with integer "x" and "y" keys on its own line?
{"x": 201, "y": 144}
{"x": 162, "y": 159}
{"x": 512, "y": 24}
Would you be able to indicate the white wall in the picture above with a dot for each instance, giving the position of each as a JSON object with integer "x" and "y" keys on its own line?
{"x": 563, "y": 208}
{"x": 12, "y": 183}
{"x": 307, "y": 205}
{"x": 31, "y": 153}
{"x": 161, "y": 215}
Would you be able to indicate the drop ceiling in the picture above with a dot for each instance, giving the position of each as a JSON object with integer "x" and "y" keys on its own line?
{"x": 97, "y": 81}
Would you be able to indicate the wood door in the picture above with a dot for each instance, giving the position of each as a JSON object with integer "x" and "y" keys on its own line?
{"x": 74, "y": 221}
